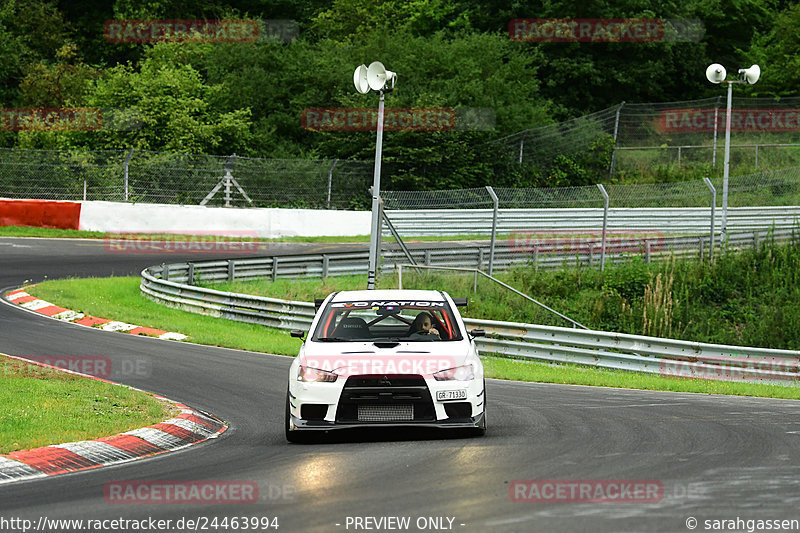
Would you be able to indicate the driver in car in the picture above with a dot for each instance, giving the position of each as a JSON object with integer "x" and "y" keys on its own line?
{"x": 422, "y": 327}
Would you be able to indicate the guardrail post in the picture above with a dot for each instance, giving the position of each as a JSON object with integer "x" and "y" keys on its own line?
{"x": 427, "y": 257}
{"x": 591, "y": 253}
{"x": 274, "y": 268}
{"x": 646, "y": 251}
{"x": 165, "y": 271}
{"x": 713, "y": 208}
{"x": 480, "y": 260}
{"x": 325, "y": 263}
{"x": 190, "y": 274}
{"x": 495, "y": 208}
{"x": 231, "y": 269}
{"x": 701, "y": 242}
{"x": 605, "y": 223}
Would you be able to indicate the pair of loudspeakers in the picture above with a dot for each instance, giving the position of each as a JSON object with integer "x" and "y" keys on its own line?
{"x": 716, "y": 73}
{"x": 374, "y": 77}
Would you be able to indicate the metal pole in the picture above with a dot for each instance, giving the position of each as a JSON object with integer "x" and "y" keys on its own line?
{"x": 605, "y": 226}
{"x": 614, "y": 149}
{"x": 727, "y": 164}
{"x": 376, "y": 191}
{"x": 496, "y": 203}
{"x": 330, "y": 182}
{"x": 84, "y": 190}
{"x": 127, "y": 161}
{"x": 716, "y": 121}
{"x": 756, "y": 156}
{"x": 522, "y": 145}
{"x": 713, "y": 208}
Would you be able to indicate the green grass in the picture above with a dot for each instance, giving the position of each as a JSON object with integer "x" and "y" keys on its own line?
{"x": 119, "y": 298}
{"x": 41, "y": 406}
{"x": 53, "y": 233}
{"x": 519, "y": 370}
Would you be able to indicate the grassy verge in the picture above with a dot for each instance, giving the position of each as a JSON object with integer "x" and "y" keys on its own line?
{"x": 53, "y": 233}
{"x": 41, "y": 406}
{"x": 119, "y": 298}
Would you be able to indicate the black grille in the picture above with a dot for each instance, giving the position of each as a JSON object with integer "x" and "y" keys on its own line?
{"x": 378, "y": 394}
{"x": 313, "y": 411}
{"x": 458, "y": 410}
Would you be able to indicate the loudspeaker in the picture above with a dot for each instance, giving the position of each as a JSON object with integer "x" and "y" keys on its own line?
{"x": 360, "y": 79}
{"x": 716, "y": 73}
{"x": 751, "y": 74}
{"x": 378, "y": 77}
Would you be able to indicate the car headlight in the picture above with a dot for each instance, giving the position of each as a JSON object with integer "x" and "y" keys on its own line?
{"x": 458, "y": 373}
{"x": 310, "y": 374}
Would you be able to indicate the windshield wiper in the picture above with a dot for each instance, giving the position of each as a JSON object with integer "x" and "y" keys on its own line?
{"x": 333, "y": 339}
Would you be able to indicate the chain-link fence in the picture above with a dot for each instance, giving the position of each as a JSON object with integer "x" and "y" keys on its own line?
{"x": 175, "y": 178}
{"x": 768, "y": 188}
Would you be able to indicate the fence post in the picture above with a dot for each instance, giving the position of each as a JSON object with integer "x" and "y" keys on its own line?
{"x": 756, "y": 156}
{"x": 713, "y": 208}
{"x": 325, "y": 265}
{"x": 84, "y": 190}
{"x": 274, "y": 268}
{"x": 614, "y": 148}
{"x": 522, "y": 145}
{"x": 231, "y": 269}
{"x": 716, "y": 121}
{"x": 605, "y": 227}
{"x": 679, "y": 156}
{"x": 190, "y": 274}
{"x": 125, "y": 172}
{"x": 496, "y": 205}
{"x": 330, "y": 182}
{"x": 165, "y": 271}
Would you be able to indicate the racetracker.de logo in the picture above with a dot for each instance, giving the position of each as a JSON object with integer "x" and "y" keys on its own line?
{"x": 622, "y": 30}
{"x": 162, "y": 31}
{"x": 180, "y": 492}
{"x": 588, "y": 241}
{"x": 709, "y": 120}
{"x": 734, "y": 368}
{"x": 366, "y": 119}
{"x": 241, "y": 243}
{"x": 359, "y": 365}
{"x": 51, "y": 118}
{"x": 586, "y": 491}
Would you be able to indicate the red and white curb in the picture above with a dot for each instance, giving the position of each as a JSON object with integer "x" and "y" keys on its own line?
{"x": 32, "y": 303}
{"x": 188, "y": 428}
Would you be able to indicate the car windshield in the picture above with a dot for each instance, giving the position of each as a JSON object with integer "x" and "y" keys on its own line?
{"x": 388, "y": 321}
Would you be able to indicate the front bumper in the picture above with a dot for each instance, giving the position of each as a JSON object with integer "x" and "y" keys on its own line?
{"x": 324, "y": 425}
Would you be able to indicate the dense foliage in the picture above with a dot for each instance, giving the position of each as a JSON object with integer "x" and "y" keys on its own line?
{"x": 247, "y": 98}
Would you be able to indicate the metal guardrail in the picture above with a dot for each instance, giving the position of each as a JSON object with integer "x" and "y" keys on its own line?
{"x": 544, "y": 343}
{"x": 671, "y": 220}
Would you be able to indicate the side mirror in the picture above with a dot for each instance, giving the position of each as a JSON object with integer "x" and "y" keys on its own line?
{"x": 297, "y": 333}
{"x": 477, "y": 333}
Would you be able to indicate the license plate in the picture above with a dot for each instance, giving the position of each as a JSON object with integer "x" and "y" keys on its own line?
{"x": 445, "y": 395}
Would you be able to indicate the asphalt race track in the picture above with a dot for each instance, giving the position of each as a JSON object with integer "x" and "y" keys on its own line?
{"x": 715, "y": 457}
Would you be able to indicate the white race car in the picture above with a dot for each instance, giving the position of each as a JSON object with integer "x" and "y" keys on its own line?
{"x": 378, "y": 358}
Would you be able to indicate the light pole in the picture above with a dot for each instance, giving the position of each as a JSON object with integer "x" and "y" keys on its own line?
{"x": 715, "y": 73}
{"x": 377, "y": 78}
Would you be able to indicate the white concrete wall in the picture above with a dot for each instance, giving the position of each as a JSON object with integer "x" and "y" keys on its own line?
{"x": 192, "y": 219}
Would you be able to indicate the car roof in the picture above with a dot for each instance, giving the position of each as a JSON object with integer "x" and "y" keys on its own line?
{"x": 389, "y": 294}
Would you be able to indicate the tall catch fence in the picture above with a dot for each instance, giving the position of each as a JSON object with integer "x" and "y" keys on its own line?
{"x": 176, "y": 178}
